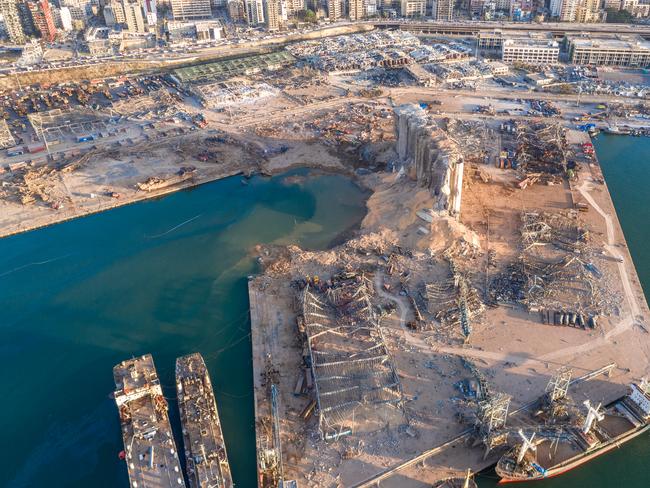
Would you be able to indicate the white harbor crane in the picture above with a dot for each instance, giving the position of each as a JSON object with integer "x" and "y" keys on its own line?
{"x": 527, "y": 444}
{"x": 593, "y": 414}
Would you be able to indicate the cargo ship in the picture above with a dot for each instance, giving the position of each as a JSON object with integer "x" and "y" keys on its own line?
{"x": 573, "y": 445}
{"x": 149, "y": 448}
{"x": 205, "y": 451}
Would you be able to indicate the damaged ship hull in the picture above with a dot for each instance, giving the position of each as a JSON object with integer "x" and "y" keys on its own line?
{"x": 205, "y": 449}
{"x": 624, "y": 420}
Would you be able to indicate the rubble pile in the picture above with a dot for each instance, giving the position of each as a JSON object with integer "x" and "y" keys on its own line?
{"x": 358, "y": 51}
{"x": 464, "y": 71}
{"x": 555, "y": 272}
{"x": 541, "y": 152}
{"x": 234, "y": 91}
{"x": 352, "y": 125}
{"x": 472, "y": 137}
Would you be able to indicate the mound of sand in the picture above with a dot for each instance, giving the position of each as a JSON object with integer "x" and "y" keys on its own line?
{"x": 401, "y": 208}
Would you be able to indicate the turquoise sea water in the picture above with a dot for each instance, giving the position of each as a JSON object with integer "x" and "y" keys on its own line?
{"x": 166, "y": 277}
{"x": 169, "y": 277}
{"x": 626, "y": 166}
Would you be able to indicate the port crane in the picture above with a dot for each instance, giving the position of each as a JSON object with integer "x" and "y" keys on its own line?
{"x": 526, "y": 445}
{"x": 593, "y": 414}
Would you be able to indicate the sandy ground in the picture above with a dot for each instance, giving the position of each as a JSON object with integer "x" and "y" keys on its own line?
{"x": 512, "y": 347}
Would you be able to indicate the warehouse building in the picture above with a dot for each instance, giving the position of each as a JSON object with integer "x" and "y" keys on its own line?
{"x": 631, "y": 51}
{"x": 530, "y": 50}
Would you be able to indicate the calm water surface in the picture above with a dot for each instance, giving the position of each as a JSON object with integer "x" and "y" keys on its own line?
{"x": 169, "y": 277}
{"x": 166, "y": 277}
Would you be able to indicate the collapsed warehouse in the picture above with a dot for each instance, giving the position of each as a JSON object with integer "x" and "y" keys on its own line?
{"x": 455, "y": 302}
{"x": 357, "y": 386}
{"x": 554, "y": 273}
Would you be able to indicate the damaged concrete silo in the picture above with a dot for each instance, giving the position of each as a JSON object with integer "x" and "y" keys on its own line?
{"x": 432, "y": 157}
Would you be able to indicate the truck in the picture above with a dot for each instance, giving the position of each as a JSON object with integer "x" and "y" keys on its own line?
{"x": 86, "y": 138}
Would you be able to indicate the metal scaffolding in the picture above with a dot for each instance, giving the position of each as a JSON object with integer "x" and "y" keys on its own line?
{"x": 351, "y": 365}
{"x": 558, "y": 385}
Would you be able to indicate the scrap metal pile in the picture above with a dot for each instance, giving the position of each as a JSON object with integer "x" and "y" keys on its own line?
{"x": 471, "y": 136}
{"x": 455, "y": 303}
{"x": 157, "y": 104}
{"x": 555, "y": 272}
{"x": 541, "y": 152}
{"x": 353, "y": 371}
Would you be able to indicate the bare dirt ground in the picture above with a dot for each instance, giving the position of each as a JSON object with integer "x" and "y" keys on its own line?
{"x": 515, "y": 351}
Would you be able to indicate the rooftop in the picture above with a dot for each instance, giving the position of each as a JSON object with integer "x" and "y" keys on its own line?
{"x": 612, "y": 43}
{"x": 232, "y": 67}
{"x": 531, "y": 42}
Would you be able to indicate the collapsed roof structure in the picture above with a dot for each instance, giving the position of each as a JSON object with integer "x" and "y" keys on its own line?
{"x": 353, "y": 371}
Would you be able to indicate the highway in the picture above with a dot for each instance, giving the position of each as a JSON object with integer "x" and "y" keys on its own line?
{"x": 468, "y": 28}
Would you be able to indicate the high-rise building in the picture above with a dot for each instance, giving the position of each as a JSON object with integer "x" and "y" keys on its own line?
{"x": 475, "y": 8}
{"x": 254, "y": 12}
{"x": 413, "y": 8}
{"x": 191, "y": 9}
{"x": 66, "y": 19}
{"x": 43, "y": 19}
{"x": 87, "y": 7}
{"x": 133, "y": 16}
{"x": 237, "y": 10}
{"x": 114, "y": 13}
{"x": 334, "y": 10}
{"x": 555, "y": 8}
{"x": 150, "y": 12}
{"x": 294, "y": 6}
{"x": 272, "y": 14}
{"x": 25, "y": 14}
{"x": 3, "y": 27}
{"x": 357, "y": 9}
{"x": 444, "y": 10}
{"x": 588, "y": 11}
{"x": 9, "y": 11}
{"x": 568, "y": 10}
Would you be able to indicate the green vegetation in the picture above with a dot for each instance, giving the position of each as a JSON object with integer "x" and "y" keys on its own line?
{"x": 308, "y": 16}
{"x": 619, "y": 16}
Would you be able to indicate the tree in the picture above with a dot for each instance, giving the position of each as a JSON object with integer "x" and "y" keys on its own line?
{"x": 619, "y": 16}
{"x": 308, "y": 16}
